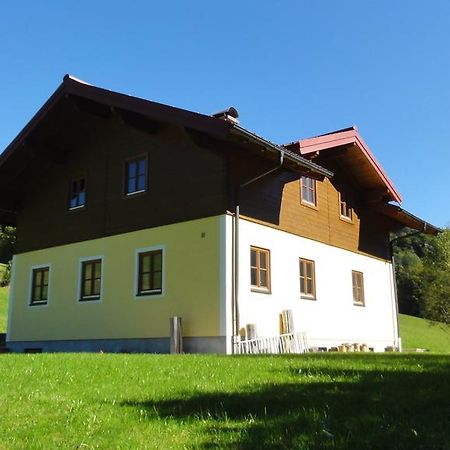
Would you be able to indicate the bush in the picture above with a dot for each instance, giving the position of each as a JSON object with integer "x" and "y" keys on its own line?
{"x": 5, "y": 274}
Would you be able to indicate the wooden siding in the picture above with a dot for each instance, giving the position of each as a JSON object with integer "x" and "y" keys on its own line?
{"x": 276, "y": 202}
{"x": 185, "y": 182}
{"x": 321, "y": 223}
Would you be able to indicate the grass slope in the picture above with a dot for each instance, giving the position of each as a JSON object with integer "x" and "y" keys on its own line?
{"x": 3, "y": 309}
{"x": 419, "y": 333}
{"x": 360, "y": 401}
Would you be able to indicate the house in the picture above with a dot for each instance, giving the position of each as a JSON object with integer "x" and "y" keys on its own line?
{"x": 129, "y": 212}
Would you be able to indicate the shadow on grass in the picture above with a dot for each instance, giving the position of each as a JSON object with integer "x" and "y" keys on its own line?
{"x": 321, "y": 409}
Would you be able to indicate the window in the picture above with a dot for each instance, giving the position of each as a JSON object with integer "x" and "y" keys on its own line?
{"x": 346, "y": 212}
{"x": 308, "y": 191}
{"x": 136, "y": 175}
{"x": 150, "y": 270}
{"x": 307, "y": 279}
{"x": 358, "y": 287}
{"x": 91, "y": 279}
{"x": 39, "y": 286}
{"x": 260, "y": 269}
{"x": 77, "y": 193}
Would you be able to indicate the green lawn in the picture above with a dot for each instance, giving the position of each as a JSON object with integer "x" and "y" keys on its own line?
{"x": 3, "y": 309}
{"x": 332, "y": 401}
{"x": 318, "y": 401}
{"x": 419, "y": 333}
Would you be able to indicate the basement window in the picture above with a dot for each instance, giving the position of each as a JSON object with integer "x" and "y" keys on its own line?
{"x": 136, "y": 175}
{"x": 260, "y": 269}
{"x": 308, "y": 191}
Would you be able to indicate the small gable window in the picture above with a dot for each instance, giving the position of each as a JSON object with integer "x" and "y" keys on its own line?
{"x": 308, "y": 191}
{"x": 136, "y": 175}
{"x": 346, "y": 212}
{"x": 77, "y": 193}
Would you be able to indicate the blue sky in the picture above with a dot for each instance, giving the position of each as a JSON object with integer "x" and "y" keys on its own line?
{"x": 293, "y": 69}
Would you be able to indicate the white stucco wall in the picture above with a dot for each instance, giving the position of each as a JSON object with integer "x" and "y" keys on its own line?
{"x": 331, "y": 319}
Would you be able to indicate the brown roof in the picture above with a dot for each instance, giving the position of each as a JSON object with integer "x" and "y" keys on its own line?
{"x": 218, "y": 128}
{"x": 406, "y": 218}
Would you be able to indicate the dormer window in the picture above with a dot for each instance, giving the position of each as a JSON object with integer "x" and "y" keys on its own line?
{"x": 77, "y": 193}
{"x": 308, "y": 191}
{"x": 136, "y": 175}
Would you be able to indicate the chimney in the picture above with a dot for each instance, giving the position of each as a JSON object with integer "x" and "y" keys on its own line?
{"x": 231, "y": 115}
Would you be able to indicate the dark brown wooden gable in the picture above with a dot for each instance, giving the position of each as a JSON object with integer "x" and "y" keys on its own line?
{"x": 185, "y": 181}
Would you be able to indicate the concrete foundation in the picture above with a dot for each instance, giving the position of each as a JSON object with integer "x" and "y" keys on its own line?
{"x": 210, "y": 344}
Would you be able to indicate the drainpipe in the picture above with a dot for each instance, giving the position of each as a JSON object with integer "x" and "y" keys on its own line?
{"x": 394, "y": 276}
{"x": 235, "y": 254}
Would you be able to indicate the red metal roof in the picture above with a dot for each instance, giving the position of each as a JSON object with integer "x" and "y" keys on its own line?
{"x": 345, "y": 137}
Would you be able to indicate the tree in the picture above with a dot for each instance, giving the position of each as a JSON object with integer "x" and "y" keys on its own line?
{"x": 437, "y": 279}
{"x": 423, "y": 275}
{"x": 7, "y": 245}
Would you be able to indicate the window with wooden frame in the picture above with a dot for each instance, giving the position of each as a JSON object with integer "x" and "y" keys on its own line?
{"x": 91, "y": 280}
{"x": 345, "y": 211}
{"x": 307, "y": 279}
{"x": 260, "y": 269}
{"x": 308, "y": 191}
{"x": 39, "y": 285}
{"x": 358, "y": 287}
{"x": 150, "y": 272}
{"x": 77, "y": 193}
{"x": 136, "y": 175}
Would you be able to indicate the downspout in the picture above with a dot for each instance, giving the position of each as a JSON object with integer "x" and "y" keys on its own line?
{"x": 235, "y": 256}
{"x": 394, "y": 276}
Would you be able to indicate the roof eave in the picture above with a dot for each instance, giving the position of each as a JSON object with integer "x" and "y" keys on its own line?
{"x": 76, "y": 87}
{"x": 407, "y": 219}
{"x": 23, "y": 134}
{"x": 159, "y": 111}
{"x": 303, "y": 163}
{"x": 218, "y": 128}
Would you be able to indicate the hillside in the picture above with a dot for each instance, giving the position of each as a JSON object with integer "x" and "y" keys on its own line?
{"x": 419, "y": 333}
